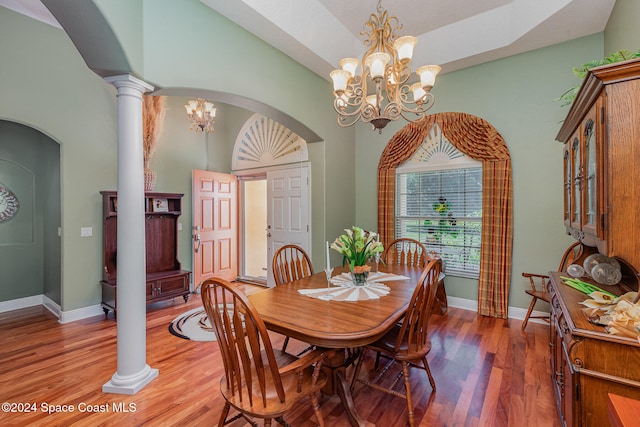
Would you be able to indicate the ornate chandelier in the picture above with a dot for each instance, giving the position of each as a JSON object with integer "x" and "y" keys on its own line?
{"x": 202, "y": 114}
{"x": 386, "y": 69}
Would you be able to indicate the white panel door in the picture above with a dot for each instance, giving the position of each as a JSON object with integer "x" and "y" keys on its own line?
{"x": 288, "y": 213}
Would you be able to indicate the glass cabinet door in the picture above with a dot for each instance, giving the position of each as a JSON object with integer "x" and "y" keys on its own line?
{"x": 590, "y": 181}
{"x": 576, "y": 203}
{"x": 567, "y": 185}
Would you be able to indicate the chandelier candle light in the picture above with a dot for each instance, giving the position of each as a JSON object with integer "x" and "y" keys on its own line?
{"x": 386, "y": 68}
{"x": 202, "y": 114}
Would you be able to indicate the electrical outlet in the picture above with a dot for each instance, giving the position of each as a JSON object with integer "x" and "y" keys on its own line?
{"x": 86, "y": 231}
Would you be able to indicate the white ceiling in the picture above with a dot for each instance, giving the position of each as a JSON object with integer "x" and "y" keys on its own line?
{"x": 454, "y": 34}
{"x": 451, "y": 33}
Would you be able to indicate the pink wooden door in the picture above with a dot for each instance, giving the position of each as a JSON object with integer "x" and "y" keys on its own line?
{"x": 215, "y": 236}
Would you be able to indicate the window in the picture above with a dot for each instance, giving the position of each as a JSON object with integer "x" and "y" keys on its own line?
{"x": 439, "y": 203}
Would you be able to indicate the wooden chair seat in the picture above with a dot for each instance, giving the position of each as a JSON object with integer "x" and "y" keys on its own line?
{"x": 292, "y": 384}
{"x": 541, "y": 295}
{"x": 401, "y": 350}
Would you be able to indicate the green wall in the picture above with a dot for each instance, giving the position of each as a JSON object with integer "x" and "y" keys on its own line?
{"x": 623, "y": 31}
{"x": 46, "y": 84}
{"x": 29, "y": 245}
{"x": 516, "y": 96}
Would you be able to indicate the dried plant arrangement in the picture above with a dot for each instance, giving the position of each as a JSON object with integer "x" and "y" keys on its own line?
{"x": 153, "y": 112}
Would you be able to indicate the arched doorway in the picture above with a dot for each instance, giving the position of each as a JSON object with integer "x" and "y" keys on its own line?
{"x": 30, "y": 237}
{"x": 272, "y": 164}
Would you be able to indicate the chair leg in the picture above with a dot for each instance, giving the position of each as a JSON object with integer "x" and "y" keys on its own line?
{"x": 526, "y": 318}
{"x": 357, "y": 370}
{"x": 267, "y": 422}
{"x": 223, "y": 416}
{"x": 377, "y": 362}
{"x": 282, "y": 422}
{"x": 407, "y": 388}
{"x": 285, "y": 344}
{"x": 316, "y": 409}
{"x": 426, "y": 368}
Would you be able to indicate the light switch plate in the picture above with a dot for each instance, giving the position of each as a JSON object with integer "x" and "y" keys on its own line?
{"x": 179, "y": 226}
{"x": 86, "y": 231}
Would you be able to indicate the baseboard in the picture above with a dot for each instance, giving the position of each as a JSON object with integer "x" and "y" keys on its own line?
{"x": 515, "y": 313}
{"x": 17, "y": 304}
{"x": 81, "y": 313}
{"x": 53, "y": 307}
{"x": 95, "y": 310}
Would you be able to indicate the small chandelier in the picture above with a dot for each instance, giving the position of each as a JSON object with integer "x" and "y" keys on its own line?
{"x": 386, "y": 67}
{"x": 202, "y": 114}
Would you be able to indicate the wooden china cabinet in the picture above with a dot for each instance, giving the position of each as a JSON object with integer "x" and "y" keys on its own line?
{"x": 165, "y": 277}
{"x": 601, "y": 136}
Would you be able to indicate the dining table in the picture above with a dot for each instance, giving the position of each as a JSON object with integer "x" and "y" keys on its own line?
{"x": 334, "y": 323}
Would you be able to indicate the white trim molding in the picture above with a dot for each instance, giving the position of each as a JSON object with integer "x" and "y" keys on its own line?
{"x": 264, "y": 142}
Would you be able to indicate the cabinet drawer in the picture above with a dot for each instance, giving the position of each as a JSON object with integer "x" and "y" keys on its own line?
{"x": 170, "y": 285}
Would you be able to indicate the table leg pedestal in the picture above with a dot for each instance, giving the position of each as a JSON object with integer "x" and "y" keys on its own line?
{"x": 338, "y": 384}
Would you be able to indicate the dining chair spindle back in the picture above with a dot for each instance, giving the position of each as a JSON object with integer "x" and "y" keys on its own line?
{"x": 408, "y": 342}
{"x": 259, "y": 381}
{"x": 405, "y": 251}
{"x": 290, "y": 262}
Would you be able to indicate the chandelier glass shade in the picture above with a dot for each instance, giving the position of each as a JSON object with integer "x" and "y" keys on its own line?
{"x": 382, "y": 92}
{"x": 202, "y": 114}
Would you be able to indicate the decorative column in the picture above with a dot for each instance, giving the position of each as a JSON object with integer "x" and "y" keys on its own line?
{"x": 133, "y": 373}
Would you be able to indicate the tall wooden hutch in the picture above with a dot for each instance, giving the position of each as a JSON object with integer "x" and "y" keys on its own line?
{"x": 601, "y": 136}
{"x": 165, "y": 277}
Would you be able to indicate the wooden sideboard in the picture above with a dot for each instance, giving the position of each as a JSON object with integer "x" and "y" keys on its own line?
{"x": 587, "y": 363}
{"x": 165, "y": 277}
{"x": 601, "y": 137}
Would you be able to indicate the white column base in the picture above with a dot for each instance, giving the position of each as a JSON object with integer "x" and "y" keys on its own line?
{"x": 130, "y": 385}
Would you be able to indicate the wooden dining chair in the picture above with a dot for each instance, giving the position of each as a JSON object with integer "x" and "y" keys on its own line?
{"x": 408, "y": 342}
{"x": 258, "y": 382}
{"x": 539, "y": 283}
{"x": 405, "y": 251}
{"x": 290, "y": 262}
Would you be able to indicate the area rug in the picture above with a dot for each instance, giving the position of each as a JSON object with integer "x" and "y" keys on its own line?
{"x": 193, "y": 325}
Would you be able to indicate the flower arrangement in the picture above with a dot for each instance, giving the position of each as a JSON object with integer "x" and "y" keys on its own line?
{"x": 357, "y": 246}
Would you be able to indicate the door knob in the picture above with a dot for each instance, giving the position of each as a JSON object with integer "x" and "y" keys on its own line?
{"x": 196, "y": 240}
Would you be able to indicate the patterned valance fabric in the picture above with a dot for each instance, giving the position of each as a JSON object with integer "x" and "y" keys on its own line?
{"x": 478, "y": 139}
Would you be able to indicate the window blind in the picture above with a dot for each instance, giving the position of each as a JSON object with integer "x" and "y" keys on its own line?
{"x": 443, "y": 210}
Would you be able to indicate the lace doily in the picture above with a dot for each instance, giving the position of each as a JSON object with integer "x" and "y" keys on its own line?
{"x": 343, "y": 288}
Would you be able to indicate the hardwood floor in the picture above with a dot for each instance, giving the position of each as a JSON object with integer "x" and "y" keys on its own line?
{"x": 487, "y": 372}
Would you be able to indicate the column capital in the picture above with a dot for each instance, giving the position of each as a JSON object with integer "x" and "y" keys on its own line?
{"x": 127, "y": 80}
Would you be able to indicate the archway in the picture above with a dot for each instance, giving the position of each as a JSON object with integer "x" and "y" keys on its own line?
{"x": 30, "y": 239}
